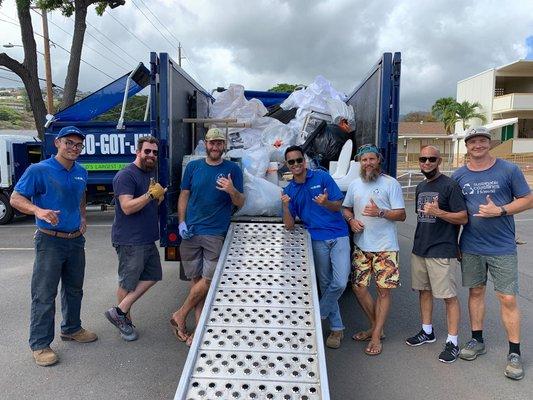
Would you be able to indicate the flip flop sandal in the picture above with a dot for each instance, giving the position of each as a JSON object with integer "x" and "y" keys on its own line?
{"x": 181, "y": 333}
{"x": 189, "y": 340}
{"x": 373, "y": 349}
{"x": 364, "y": 336}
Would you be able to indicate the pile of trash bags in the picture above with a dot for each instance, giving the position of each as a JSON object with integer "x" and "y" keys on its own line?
{"x": 260, "y": 141}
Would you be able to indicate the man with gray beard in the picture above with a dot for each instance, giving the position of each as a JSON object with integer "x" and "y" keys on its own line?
{"x": 373, "y": 204}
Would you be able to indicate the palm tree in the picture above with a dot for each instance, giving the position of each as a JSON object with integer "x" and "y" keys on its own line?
{"x": 444, "y": 110}
{"x": 466, "y": 111}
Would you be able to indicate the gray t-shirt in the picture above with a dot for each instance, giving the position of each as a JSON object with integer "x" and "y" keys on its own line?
{"x": 142, "y": 226}
{"x": 434, "y": 237}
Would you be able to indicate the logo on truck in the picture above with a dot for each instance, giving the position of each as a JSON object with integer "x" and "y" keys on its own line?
{"x": 111, "y": 143}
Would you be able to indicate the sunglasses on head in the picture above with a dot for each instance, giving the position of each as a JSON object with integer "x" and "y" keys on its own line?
{"x": 430, "y": 159}
{"x": 293, "y": 161}
{"x": 148, "y": 151}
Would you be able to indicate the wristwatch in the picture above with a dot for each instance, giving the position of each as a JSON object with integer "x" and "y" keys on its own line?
{"x": 503, "y": 212}
{"x": 381, "y": 213}
{"x": 349, "y": 219}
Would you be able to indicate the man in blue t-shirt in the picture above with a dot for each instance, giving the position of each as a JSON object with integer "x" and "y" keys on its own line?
{"x": 209, "y": 189}
{"x": 314, "y": 197}
{"x": 134, "y": 233}
{"x": 54, "y": 191}
{"x": 494, "y": 190}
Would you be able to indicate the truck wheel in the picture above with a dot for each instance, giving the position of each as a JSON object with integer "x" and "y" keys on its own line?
{"x": 6, "y": 211}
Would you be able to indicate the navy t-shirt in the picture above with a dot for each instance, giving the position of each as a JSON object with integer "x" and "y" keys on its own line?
{"x": 51, "y": 186}
{"x": 321, "y": 223}
{"x": 142, "y": 226}
{"x": 209, "y": 209}
{"x": 503, "y": 182}
{"x": 434, "y": 237}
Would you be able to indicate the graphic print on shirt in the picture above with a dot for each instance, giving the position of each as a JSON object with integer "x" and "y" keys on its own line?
{"x": 423, "y": 198}
{"x": 487, "y": 187}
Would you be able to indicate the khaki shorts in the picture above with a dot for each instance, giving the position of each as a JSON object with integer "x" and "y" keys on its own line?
{"x": 382, "y": 264}
{"x": 434, "y": 274}
{"x": 199, "y": 255}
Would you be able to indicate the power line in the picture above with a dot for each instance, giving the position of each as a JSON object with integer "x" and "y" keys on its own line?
{"x": 41, "y": 79}
{"x": 111, "y": 41}
{"x": 86, "y": 45}
{"x": 158, "y": 20}
{"x": 149, "y": 20}
{"x": 62, "y": 48}
{"x": 130, "y": 32}
{"x": 11, "y": 79}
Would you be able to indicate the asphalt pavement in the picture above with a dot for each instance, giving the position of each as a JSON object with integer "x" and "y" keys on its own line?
{"x": 150, "y": 367}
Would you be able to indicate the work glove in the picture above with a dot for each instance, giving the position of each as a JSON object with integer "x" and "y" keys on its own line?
{"x": 185, "y": 233}
{"x": 155, "y": 190}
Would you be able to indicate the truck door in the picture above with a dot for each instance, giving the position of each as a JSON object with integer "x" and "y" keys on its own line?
{"x": 25, "y": 154}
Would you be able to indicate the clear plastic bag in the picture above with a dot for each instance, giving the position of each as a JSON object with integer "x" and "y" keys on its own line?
{"x": 200, "y": 149}
{"x": 277, "y": 137}
{"x": 262, "y": 198}
{"x": 340, "y": 110}
{"x": 256, "y": 160}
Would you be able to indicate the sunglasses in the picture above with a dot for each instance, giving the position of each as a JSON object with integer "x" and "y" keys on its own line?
{"x": 293, "y": 161}
{"x": 148, "y": 151}
{"x": 430, "y": 159}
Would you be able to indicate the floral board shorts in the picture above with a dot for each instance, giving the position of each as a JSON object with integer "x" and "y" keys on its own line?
{"x": 382, "y": 264}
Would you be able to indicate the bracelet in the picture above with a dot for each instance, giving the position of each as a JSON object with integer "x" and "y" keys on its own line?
{"x": 349, "y": 219}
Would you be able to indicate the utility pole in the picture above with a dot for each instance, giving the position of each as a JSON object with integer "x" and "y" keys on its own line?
{"x": 47, "y": 64}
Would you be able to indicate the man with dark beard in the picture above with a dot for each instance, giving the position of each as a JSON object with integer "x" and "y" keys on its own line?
{"x": 373, "y": 204}
{"x": 209, "y": 189}
{"x": 134, "y": 233}
{"x": 441, "y": 210}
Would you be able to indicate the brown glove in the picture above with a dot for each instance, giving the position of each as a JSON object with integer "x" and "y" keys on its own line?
{"x": 155, "y": 190}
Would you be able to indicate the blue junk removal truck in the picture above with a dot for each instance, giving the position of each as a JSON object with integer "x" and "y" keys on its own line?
{"x": 175, "y": 102}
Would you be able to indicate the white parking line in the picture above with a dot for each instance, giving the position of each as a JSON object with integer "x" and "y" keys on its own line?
{"x": 16, "y": 248}
{"x": 523, "y": 220}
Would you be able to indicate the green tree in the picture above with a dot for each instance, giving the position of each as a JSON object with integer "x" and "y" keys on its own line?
{"x": 417, "y": 116}
{"x": 466, "y": 111}
{"x": 444, "y": 110}
{"x": 284, "y": 88}
{"x": 135, "y": 110}
{"x": 27, "y": 69}
{"x": 9, "y": 115}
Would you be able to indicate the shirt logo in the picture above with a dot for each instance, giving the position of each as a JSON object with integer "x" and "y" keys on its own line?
{"x": 79, "y": 178}
{"x": 481, "y": 187}
{"x": 315, "y": 187}
{"x": 376, "y": 191}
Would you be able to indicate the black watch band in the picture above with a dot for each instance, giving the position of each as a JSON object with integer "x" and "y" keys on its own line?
{"x": 503, "y": 212}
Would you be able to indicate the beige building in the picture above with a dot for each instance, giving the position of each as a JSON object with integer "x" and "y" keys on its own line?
{"x": 412, "y": 136}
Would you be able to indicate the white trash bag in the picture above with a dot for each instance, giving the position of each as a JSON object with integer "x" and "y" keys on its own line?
{"x": 277, "y": 137}
{"x": 262, "y": 198}
{"x": 340, "y": 110}
{"x": 256, "y": 160}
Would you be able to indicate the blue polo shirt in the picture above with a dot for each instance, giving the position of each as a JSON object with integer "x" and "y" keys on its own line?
{"x": 321, "y": 223}
{"x": 52, "y": 187}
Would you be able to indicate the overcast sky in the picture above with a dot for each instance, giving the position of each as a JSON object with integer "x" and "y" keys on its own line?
{"x": 262, "y": 43}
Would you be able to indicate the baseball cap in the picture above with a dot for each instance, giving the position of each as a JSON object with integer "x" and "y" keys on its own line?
{"x": 214, "y": 134}
{"x": 478, "y": 131}
{"x": 70, "y": 130}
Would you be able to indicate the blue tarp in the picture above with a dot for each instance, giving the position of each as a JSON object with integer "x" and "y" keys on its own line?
{"x": 267, "y": 98}
{"x": 106, "y": 98}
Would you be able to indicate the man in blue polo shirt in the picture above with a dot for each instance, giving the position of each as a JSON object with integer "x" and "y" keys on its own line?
{"x": 314, "y": 197}
{"x": 54, "y": 191}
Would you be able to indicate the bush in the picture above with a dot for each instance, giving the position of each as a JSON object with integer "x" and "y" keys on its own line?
{"x": 9, "y": 115}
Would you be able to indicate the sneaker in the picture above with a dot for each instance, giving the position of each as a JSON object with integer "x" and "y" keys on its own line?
{"x": 472, "y": 349}
{"x": 122, "y": 322}
{"x": 45, "y": 357}
{"x": 420, "y": 338}
{"x": 334, "y": 339}
{"x": 450, "y": 353}
{"x": 514, "y": 369}
{"x": 131, "y": 337}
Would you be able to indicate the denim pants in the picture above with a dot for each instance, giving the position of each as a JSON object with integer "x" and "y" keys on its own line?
{"x": 332, "y": 263}
{"x": 56, "y": 259}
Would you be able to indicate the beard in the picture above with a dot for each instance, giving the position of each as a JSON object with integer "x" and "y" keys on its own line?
{"x": 213, "y": 155}
{"x": 147, "y": 166}
{"x": 370, "y": 176}
{"x": 430, "y": 174}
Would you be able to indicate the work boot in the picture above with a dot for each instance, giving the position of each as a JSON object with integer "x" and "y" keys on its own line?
{"x": 514, "y": 369}
{"x": 334, "y": 339}
{"x": 45, "y": 357}
{"x": 81, "y": 336}
{"x": 472, "y": 349}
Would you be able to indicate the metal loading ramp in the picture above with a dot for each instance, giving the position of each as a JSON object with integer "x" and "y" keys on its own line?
{"x": 259, "y": 336}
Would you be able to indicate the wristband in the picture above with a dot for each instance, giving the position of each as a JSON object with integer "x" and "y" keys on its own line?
{"x": 503, "y": 212}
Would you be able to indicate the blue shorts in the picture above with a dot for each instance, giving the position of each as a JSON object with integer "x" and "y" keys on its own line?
{"x": 137, "y": 263}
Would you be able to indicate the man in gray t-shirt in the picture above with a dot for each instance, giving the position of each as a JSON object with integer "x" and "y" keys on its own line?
{"x": 134, "y": 233}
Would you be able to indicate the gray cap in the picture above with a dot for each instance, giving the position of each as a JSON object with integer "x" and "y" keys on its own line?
{"x": 477, "y": 131}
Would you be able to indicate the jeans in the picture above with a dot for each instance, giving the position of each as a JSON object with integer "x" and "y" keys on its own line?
{"x": 332, "y": 263}
{"x": 56, "y": 259}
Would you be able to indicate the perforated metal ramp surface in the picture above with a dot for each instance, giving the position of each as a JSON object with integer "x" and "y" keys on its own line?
{"x": 259, "y": 336}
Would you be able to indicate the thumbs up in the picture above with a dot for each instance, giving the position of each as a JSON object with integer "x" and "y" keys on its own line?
{"x": 489, "y": 210}
{"x": 371, "y": 209}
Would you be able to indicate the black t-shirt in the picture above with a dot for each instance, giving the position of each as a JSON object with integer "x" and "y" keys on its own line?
{"x": 434, "y": 237}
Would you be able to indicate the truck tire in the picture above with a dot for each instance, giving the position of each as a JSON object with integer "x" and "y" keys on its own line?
{"x": 6, "y": 211}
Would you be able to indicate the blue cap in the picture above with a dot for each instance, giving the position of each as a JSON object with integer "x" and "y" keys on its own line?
{"x": 367, "y": 148}
{"x": 70, "y": 130}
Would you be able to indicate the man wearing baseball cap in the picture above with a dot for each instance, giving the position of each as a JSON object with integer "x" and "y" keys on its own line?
{"x": 209, "y": 189}
{"x": 54, "y": 191}
{"x": 494, "y": 190}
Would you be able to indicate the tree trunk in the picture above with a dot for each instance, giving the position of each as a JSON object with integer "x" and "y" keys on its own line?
{"x": 71, "y": 80}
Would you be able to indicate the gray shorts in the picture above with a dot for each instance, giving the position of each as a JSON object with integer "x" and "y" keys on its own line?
{"x": 199, "y": 255}
{"x": 137, "y": 263}
{"x": 503, "y": 269}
